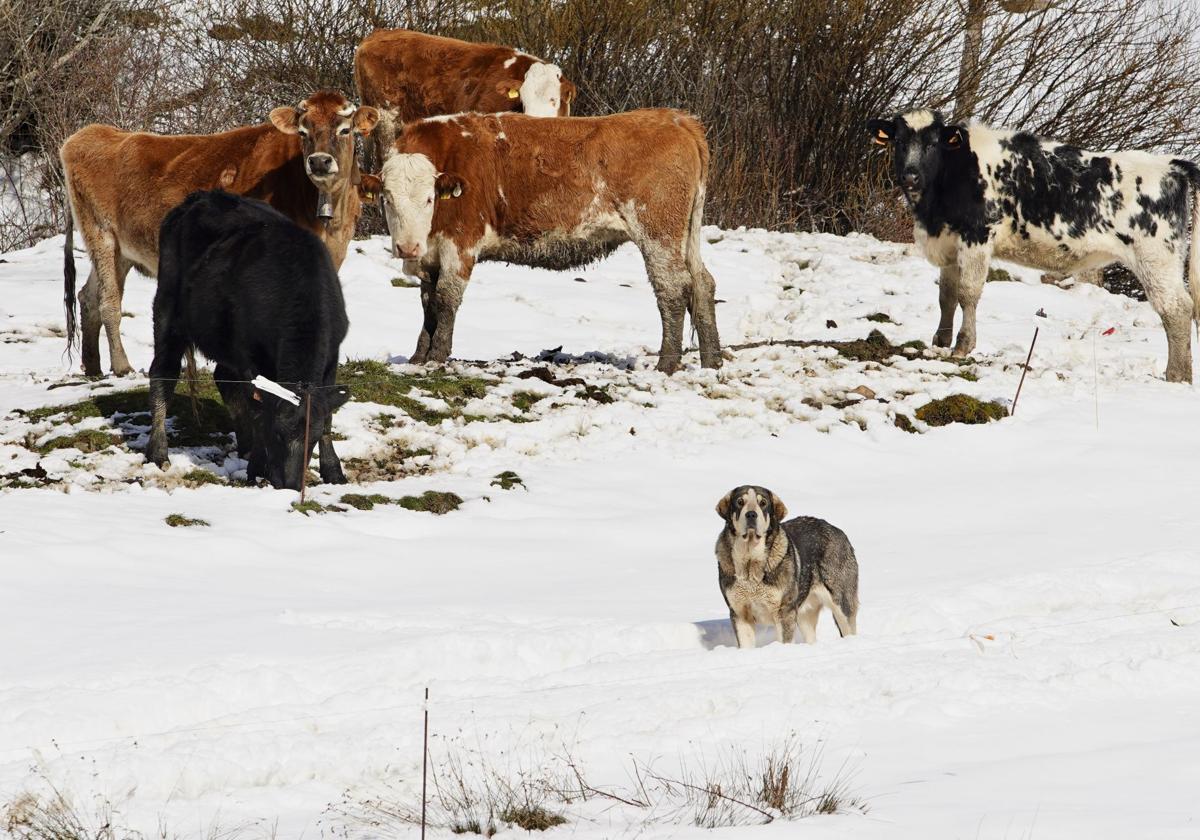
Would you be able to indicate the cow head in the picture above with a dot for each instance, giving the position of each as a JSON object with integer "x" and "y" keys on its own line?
{"x": 279, "y": 432}
{"x": 751, "y": 512}
{"x": 370, "y": 188}
{"x": 921, "y": 143}
{"x": 412, "y": 189}
{"x": 326, "y": 123}
{"x": 542, "y": 93}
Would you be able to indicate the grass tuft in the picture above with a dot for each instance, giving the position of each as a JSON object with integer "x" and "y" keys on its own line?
{"x": 198, "y": 476}
{"x": 178, "y": 520}
{"x": 360, "y": 501}
{"x": 377, "y": 382}
{"x": 960, "y": 408}
{"x": 88, "y": 440}
{"x": 431, "y": 501}
{"x": 531, "y": 817}
{"x": 507, "y": 480}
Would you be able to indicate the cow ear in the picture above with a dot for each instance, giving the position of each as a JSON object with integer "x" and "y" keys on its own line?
{"x": 569, "y": 92}
{"x": 449, "y": 185}
{"x": 338, "y": 397}
{"x": 723, "y": 505}
{"x": 364, "y": 119}
{"x": 778, "y": 508}
{"x": 510, "y": 88}
{"x": 953, "y": 137}
{"x": 882, "y": 131}
{"x": 287, "y": 119}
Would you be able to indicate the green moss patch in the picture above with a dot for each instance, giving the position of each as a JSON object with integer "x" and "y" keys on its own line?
{"x": 880, "y": 318}
{"x": 90, "y": 440}
{"x": 360, "y": 501}
{"x": 431, "y": 501}
{"x": 874, "y": 348}
{"x": 960, "y": 408}
{"x": 376, "y": 382}
{"x": 197, "y": 477}
{"x": 208, "y": 425}
{"x": 178, "y": 520}
{"x": 404, "y": 283}
{"x": 507, "y": 480}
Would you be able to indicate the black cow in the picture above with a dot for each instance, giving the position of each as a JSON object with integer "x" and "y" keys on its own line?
{"x": 976, "y": 192}
{"x": 259, "y": 296}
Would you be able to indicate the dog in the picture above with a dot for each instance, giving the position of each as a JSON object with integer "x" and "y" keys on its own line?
{"x": 782, "y": 573}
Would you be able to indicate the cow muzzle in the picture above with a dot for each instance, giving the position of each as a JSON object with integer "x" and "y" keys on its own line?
{"x": 321, "y": 165}
{"x": 408, "y": 250}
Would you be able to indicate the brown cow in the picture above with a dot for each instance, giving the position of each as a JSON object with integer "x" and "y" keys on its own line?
{"x": 121, "y": 184}
{"x": 553, "y": 194}
{"x": 410, "y": 75}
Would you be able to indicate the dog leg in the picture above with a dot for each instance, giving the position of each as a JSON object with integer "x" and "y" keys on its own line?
{"x": 846, "y": 624}
{"x": 743, "y": 630}
{"x": 806, "y": 617}
{"x": 785, "y": 627}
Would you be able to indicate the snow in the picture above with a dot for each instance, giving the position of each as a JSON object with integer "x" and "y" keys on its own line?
{"x": 1028, "y": 657}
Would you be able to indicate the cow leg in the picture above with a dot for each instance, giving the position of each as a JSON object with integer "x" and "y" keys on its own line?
{"x": 673, "y": 289}
{"x": 111, "y": 269}
{"x": 703, "y": 311}
{"x": 447, "y": 297}
{"x": 948, "y": 301}
{"x": 973, "y": 266}
{"x": 330, "y": 464}
{"x": 429, "y": 282}
{"x": 89, "y": 325}
{"x": 164, "y": 374}
{"x": 237, "y": 397}
{"x": 1161, "y": 277}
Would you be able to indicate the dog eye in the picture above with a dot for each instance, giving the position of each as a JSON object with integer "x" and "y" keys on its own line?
{"x": 741, "y": 502}
{"x": 762, "y": 502}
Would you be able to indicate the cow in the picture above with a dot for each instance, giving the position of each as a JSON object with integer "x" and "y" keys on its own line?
{"x": 977, "y": 192}
{"x": 554, "y": 194}
{"x": 259, "y": 296}
{"x": 411, "y": 75}
{"x": 120, "y": 186}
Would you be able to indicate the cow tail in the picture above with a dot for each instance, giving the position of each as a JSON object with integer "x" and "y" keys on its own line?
{"x": 69, "y": 276}
{"x": 696, "y": 219}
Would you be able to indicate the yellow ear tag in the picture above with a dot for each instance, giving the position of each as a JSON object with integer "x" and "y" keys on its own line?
{"x": 513, "y": 94}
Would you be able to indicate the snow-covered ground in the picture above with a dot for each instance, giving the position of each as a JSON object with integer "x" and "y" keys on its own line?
{"x": 1028, "y": 663}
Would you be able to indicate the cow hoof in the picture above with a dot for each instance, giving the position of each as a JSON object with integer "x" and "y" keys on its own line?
{"x": 667, "y": 367}
{"x": 334, "y": 477}
{"x": 123, "y": 370}
{"x": 1183, "y": 377}
{"x": 940, "y": 340}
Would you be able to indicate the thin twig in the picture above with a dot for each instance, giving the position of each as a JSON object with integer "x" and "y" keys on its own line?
{"x": 710, "y": 791}
{"x": 1024, "y": 371}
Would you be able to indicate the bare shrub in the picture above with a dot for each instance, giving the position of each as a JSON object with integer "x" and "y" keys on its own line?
{"x": 784, "y": 88}
{"x": 473, "y": 793}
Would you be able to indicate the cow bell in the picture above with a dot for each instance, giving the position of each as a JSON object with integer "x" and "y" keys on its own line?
{"x": 324, "y": 206}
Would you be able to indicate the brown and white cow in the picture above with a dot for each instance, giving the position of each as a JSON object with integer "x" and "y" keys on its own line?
{"x": 121, "y": 184}
{"x": 411, "y": 75}
{"x": 553, "y": 194}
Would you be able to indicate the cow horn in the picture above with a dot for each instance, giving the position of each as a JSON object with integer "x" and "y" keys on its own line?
{"x": 303, "y": 106}
{"x": 347, "y": 109}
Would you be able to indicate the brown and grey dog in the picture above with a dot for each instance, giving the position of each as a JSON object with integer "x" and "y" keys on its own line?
{"x": 782, "y": 573}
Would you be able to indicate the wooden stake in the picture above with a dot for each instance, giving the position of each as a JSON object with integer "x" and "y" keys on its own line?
{"x": 424, "y": 763}
{"x": 307, "y": 446}
{"x": 1024, "y": 371}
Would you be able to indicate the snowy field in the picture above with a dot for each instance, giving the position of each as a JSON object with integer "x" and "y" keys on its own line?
{"x": 1028, "y": 664}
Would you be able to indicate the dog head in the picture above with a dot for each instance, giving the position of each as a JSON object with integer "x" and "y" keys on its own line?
{"x": 751, "y": 513}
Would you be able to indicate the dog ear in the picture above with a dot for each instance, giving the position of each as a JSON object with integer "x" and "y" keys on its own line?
{"x": 778, "y": 508}
{"x": 723, "y": 505}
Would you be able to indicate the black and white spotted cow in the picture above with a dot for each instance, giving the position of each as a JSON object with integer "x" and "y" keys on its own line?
{"x": 976, "y": 192}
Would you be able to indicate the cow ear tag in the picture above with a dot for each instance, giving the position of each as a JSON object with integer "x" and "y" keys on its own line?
{"x": 513, "y": 94}
{"x": 881, "y": 138}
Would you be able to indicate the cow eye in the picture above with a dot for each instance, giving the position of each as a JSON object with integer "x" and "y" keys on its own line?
{"x": 303, "y": 132}
{"x": 344, "y": 131}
